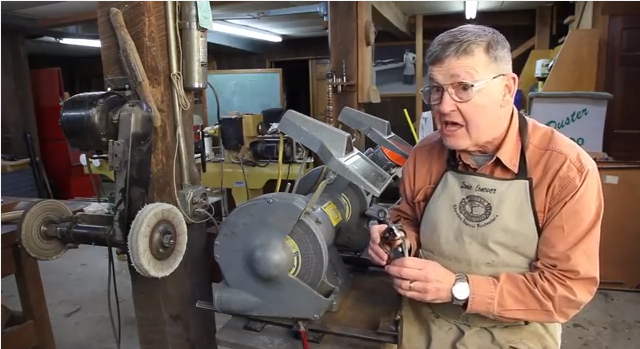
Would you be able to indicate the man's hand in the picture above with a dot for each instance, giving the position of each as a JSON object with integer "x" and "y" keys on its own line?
{"x": 421, "y": 279}
{"x": 375, "y": 252}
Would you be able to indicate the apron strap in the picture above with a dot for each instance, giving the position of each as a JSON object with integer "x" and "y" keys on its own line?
{"x": 453, "y": 162}
{"x": 523, "y": 172}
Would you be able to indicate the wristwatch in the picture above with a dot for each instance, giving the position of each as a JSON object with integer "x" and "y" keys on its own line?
{"x": 460, "y": 290}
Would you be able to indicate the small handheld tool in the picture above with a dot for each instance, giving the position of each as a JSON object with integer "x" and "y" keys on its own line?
{"x": 391, "y": 236}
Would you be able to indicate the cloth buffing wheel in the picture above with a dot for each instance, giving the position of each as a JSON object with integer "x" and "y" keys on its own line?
{"x": 32, "y": 225}
{"x": 157, "y": 240}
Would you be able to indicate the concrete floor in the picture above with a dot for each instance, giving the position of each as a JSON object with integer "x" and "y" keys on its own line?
{"x": 76, "y": 291}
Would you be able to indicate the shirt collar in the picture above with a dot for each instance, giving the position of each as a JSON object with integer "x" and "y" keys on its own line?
{"x": 509, "y": 151}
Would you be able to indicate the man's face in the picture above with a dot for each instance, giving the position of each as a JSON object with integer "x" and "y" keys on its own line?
{"x": 479, "y": 123}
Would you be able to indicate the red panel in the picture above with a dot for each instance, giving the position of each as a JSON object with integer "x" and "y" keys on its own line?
{"x": 70, "y": 179}
{"x": 48, "y": 91}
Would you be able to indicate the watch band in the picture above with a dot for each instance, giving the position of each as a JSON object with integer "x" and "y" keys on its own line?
{"x": 459, "y": 279}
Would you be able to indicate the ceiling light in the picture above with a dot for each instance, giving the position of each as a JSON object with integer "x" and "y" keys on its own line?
{"x": 470, "y": 9}
{"x": 72, "y": 41}
{"x": 243, "y": 31}
{"x": 80, "y": 42}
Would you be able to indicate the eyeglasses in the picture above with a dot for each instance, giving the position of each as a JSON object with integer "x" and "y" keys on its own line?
{"x": 460, "y": 91}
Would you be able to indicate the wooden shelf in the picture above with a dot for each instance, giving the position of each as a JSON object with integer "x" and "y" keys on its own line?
{"x": 575, "y": 65}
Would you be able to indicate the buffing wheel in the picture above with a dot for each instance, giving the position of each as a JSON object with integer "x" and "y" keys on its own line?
{"x": 157, "y": 240}
{"x": 32, "y": 228}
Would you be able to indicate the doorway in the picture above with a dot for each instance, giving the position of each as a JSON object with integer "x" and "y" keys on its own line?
{"x": 295, "y": 82}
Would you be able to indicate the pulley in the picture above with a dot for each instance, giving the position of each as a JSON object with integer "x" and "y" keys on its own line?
{"x": 157, "y": 240}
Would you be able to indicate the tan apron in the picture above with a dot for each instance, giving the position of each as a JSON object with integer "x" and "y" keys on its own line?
{"x": 476, "y": 224}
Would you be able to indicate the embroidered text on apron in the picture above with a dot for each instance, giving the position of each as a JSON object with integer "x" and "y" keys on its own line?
{"x": 477, "y": 224}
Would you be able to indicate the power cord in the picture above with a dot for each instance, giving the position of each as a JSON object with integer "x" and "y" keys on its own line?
{"x": 111, "y": 267}
{"x": 176, "y": 77}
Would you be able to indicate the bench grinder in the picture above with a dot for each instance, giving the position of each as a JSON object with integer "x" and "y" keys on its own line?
{"x": 115, "y": 124}
{"x": 278, "y": 253}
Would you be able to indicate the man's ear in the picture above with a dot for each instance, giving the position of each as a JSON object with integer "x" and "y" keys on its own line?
{"x": 511, "y": 86}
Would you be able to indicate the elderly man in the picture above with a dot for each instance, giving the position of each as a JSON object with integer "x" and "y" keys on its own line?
{"x": 503, "y": 213}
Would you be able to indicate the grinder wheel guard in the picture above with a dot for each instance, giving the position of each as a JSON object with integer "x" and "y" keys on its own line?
{"x": 32, "y": 227}
{"x": 157, "y": 240}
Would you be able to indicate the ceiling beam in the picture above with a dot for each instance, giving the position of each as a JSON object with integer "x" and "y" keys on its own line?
{"x": 71, "y": 19}
{"x": 492, "y": 19}
{"x": 387, "y": 14}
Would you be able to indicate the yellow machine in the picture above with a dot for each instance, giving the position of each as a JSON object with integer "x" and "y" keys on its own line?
{"x": 242, "y": 156}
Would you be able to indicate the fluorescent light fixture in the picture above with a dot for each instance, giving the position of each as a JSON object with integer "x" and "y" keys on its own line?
{"x": 470, "y": 9}
{"x": 80, "y": 42}
{"x": 72, "y": 41}
{"x": 247, "y": 32}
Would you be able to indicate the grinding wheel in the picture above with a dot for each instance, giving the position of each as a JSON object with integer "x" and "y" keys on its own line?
{"x": 157, "y": 240}
{"x": 32, "y": 228}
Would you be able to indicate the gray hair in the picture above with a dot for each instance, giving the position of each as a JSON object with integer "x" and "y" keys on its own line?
{"x": 464, "y": 40}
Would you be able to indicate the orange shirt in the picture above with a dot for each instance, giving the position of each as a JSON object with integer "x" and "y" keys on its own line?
{"x": 569, "y": 204}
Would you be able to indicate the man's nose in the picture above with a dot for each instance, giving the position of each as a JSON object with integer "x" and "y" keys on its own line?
{"x": 447, "y": 104}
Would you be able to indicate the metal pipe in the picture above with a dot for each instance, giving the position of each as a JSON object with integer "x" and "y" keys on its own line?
{"x": 177, "y": 110}
{"x": 84, "y": 234}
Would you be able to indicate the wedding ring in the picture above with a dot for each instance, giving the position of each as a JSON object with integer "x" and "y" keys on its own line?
{"x": 411, "y": 285}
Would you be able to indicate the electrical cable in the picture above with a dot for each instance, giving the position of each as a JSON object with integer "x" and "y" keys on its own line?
{"x": 280, "y": 156}
{"x": 111, "y": 268}
{"x": 176, "y": 77}
{"x": 244, "y": 175}
{"x": 225, "y": 212}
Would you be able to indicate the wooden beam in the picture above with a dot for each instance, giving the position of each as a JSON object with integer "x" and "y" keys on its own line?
{"x": 543, "y": 27}
{"x": 365, "y": 52}
{"x": 492, "y": 19}
{"x": 419, "y": 65}
{"x": 165, "y": 308}
{"x": 343, "y": 31}
{"x": 388, "y": 15}
{"x": 523, "y": 48}
{"x": 64, "y": 21}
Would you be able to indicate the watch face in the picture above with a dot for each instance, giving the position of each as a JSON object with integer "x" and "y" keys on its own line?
{"x": 461, "y": 290}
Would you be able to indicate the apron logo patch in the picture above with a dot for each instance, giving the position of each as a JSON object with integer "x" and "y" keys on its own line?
{"x": 475, "y": 211}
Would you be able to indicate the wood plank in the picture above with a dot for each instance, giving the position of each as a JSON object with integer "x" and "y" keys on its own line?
{"x": 365, "y": 52}
{"x": 20, "y": 337}
{"x": 32, "y": 300}
{"x": 165, "y": 308}
{"x": 523, "y": 48}
{"x": 71, "y": 19}
{"x": 493, "y": 19}
{"x": 543, "y": 27}
{"x": 388, "y": 15}
{"x": 577, "y": 64}
{"x": 8, "y": 264}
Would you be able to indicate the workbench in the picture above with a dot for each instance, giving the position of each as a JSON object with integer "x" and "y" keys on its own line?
{"x": 36, "y": 330}
{"x": 367, "y": 314}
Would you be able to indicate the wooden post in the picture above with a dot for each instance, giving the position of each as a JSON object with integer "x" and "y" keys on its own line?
{"x": 165, "y": 308}
{"x": 543, "y": 27}
{"x": 343, "y": 44}
{"x": 419, "y": 70}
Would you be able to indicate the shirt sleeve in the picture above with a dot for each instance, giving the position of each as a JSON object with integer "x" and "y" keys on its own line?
{"x": 566, "y": 275}
{"x": 405, "y": 212}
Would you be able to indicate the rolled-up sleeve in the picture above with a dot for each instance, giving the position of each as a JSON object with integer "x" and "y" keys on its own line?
{"x": 566, "y": 275}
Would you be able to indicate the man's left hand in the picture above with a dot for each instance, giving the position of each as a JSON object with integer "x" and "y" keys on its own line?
{"x": 421, "y": 279}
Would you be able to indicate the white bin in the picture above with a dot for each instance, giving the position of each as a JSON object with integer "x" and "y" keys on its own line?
{"x": 578, "y": 115}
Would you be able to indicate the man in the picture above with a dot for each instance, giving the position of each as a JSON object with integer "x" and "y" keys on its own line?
{"x": 503, "y": 213}
{"x": 409, "y": 71}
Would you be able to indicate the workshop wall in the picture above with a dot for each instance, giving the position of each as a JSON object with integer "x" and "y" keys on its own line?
{"x": 17, "y": 102}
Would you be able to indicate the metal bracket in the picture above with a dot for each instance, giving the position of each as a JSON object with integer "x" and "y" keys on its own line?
{"x": 378, "y": 130}
{"x": 116, "y": 155}
{"x": 336, "y": 150}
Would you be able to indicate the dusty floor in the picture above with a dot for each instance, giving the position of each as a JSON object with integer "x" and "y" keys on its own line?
{"x": 76, "y": 285}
